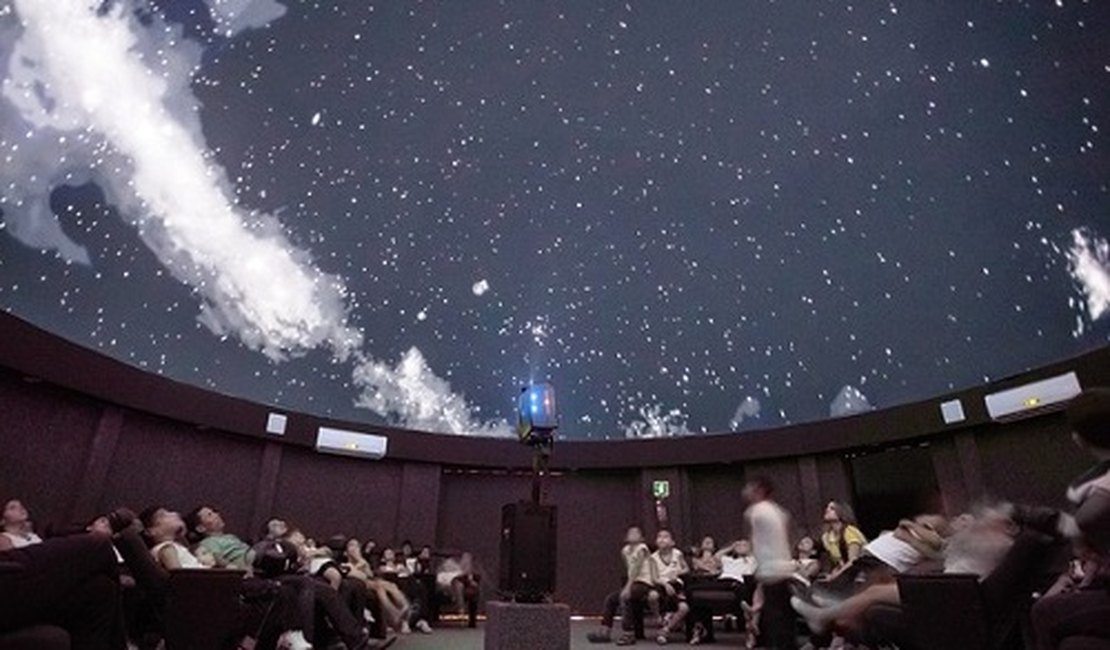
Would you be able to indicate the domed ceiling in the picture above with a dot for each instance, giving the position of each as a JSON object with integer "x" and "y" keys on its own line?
{"x": 688, "y": 217}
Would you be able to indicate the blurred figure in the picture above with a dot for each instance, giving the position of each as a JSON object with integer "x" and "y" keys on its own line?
{"x": 1084, "y": 609}
{"x": 774, "y": 563}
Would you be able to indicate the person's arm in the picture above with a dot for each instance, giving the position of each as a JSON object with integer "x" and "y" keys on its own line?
{"x": 724, "y": 551}
{"x": 854, "y": 541}
{"x": 167, "y": 557}
{"x": 1093, "y": 518}
{"x": 6, "y": 543}
{"x": 333, "y": 576}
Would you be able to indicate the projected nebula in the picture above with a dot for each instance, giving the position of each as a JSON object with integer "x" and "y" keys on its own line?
{"x": 689, "y": 218}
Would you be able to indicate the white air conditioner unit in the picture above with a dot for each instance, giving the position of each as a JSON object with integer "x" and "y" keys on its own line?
{"x": 1039, "y": 397}
{"x": 350, "y": 443}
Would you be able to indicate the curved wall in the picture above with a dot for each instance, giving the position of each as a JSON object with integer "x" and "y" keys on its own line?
{"x": 81, "y": 433}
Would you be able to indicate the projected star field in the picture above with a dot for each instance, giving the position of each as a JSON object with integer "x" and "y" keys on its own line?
{"x": 689, "y": 217}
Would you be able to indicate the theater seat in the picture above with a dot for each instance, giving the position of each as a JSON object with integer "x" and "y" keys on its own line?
{"x": 1084, "y": 643}
{"x": 38, "y": 637}
{"x": 202, "y": 609}
{"x": 944, "y": 611}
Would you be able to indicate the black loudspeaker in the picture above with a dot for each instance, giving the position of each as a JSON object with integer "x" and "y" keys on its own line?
{"x": 527, "y": 551}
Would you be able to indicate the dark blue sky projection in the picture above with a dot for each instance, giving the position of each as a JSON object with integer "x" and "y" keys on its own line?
{"x": 689, "y": 217}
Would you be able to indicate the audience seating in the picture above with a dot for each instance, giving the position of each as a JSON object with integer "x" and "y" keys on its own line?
{"x": 711, "y": 596}
{"x": 39, "y": 637}
{"x": 202, "y": 609}
{"x": 960, "y": 611}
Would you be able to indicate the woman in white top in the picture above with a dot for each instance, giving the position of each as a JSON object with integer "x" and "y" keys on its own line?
{"x": 18, "y": 531}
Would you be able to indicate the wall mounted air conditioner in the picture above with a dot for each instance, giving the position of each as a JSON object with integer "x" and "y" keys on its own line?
{"x": 1033, "y": 399}
{"x": 350, "y": 443}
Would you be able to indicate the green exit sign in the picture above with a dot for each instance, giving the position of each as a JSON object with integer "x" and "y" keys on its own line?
{"x": 661, "y": 489}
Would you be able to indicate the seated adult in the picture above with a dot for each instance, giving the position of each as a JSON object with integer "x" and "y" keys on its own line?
{"x": 841, "y": 540}
{"x": 1082, "y": 612}
{"x": 977, "y": 545}
{"x": 669, "y": 566}
{"x": 70, "y": 582}
{"x": 17, "y": 529}
{"x": 910, "y": 545}
{"x": 207, "y": 525}
{"x": 400, "y": 614}
{"x": 639, "y": 580}
{"x": 318, "y": 563}
{"x": 166, "y": 530}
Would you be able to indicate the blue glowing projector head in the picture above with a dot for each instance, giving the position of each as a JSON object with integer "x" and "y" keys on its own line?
{"x": 536, "y": 410}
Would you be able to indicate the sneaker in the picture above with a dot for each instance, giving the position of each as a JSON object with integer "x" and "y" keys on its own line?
{"x": 423, "y": 627}
{"x": 599, "y": 637}
{"x": 405, "y": 629}
{"x": 293, "y": 640}
{"x": 661, "y": 639}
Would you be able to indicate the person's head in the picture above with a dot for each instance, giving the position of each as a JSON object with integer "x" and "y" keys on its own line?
{"x": 389, "y": 555}
{"x": 708, "y": 545}
{"x": 204, "y": 521}
{"x": 369, "y": 547}
{"x": 742, "y": 547}
{"x": 425, "y": 552}
{"x": 805, "y": 547}
{"x": 275, "y": 528}
{"x": 99, "y": 526}
{"x": 162, "y": 524}
{"x": 664, "y": 541}
{"x": 1089, "y": 417}
{"x": 758, "y": 488}
{"x": 634, "y": 535}
{"x": 15, "y": 514}
{"x": 838, "y": 515}
{"x": 353, "y": 550}
{"x": 406, "y": 548}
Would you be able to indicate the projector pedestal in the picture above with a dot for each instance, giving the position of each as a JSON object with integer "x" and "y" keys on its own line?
{"x": 511, "y": 626}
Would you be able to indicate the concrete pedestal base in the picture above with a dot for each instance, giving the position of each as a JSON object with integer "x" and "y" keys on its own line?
{"x": 516, "y": 626}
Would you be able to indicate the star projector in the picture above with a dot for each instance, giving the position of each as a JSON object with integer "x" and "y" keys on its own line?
{"x": 537, "y": 415}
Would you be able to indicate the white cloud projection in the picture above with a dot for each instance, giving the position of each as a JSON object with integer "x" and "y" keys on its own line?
{"x": 1089, "y": 265}
{"x": 97, "y": 95}
{"x": 748, "y": 409}
{"x": 849, "y": 401}
{"x": 654, "y": 422}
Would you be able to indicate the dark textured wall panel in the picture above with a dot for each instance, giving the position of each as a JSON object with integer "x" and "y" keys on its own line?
{"x": 44, "y": 442}
{"x": 717, "y": 507}
{"x": 158, "y": 461}
{"x": 1031, "y": 461}
{"x": 330, "y": 495}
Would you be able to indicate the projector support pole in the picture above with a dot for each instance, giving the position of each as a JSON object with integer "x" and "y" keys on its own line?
{"x": 540, "y": 458}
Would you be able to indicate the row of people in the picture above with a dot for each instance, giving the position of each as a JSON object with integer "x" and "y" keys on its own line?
{"x": 284, "y": 567}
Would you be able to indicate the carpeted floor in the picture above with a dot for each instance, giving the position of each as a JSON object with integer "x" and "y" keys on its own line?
{"x": 450, "y": 637}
